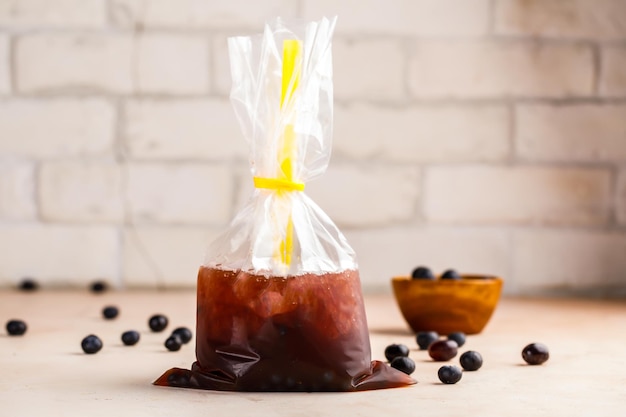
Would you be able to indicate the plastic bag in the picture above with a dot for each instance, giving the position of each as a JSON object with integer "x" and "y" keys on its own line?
{"x": 279, "y": 296}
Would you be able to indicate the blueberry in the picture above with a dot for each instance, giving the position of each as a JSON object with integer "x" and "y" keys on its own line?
{"x": 443, "y": 350}
{"x": 98, "y": 286}
{"x": 424, "y": 339}
{"x": 450, "y": 274}
{"x": 535, "y": 353}
{"x": 183, "y": 333}
{"x": 110, "y": 312}
{"x": 173, "y": 343}
{"x": 16, "y": 327}
{"x": 449, "y": 374}
{"x": 28, "y": 284}
{"x": 130, "y": 337}
{"x": 404, "y": 364}
{"x": 422, "y": 272}
{"x": 395, "y": 351}
{"x": 158, "y": 323}
{"x": 91, "y": 344}
{"x": 471, "y": 360}
{"x": 458, "y": 337}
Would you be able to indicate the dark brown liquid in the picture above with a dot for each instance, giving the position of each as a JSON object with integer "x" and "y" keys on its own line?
{"x": 304, "y": 333}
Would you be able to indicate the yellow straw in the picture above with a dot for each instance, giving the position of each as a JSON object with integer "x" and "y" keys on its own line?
{"x": 292, "y": 62}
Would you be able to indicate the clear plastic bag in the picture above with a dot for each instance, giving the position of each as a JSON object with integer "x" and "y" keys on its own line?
{"x": 279, "y": 296}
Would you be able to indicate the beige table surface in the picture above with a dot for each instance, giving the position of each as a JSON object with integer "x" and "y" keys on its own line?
{"x": 45, "y": 373}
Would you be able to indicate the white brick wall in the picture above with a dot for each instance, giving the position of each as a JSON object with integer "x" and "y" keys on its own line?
{"x": 200, "y": 13}
{"x": 17, "y": 191}
{"x": 81, "y": 191}
{"x": 613, "y": 81}
{"x": 579, "y": 19}
{"x": 529, "y": 195}
{"x": 53, "y": 13}
{"x": 387, "y": 252}
{"x": 581, "y": 132}
{"x": 383, "y": 80}
{"x": 172, "y": 64}
{"x": 572, "y": 259}
{"x": 465, "y": 69}
{"x": 355, "y": 196}
{"x": 405, "y": 17}
{"x": 56, "y": 127}
{"x": 4, "y": 65}
{"x": 164, "y": 256}
{"x": 422, "y": 133}
{"x": 183, "y": 129}
{"x": 74, "y": 62}
{"x": 485, "y": 135}
{"x": 179, "y": 193}
{"x": 59, "y": 255}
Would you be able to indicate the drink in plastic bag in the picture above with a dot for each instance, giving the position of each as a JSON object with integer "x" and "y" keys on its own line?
{"x": 279, "y": 296}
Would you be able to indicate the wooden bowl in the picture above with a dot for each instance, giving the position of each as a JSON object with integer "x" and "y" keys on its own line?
{"x": 447, "y": 305}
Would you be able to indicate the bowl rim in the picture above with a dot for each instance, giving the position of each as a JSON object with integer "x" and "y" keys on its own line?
{"x": 478, "y": 279}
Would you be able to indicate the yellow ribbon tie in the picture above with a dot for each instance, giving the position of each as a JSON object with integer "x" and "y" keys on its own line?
{"x": 278, "y": 184}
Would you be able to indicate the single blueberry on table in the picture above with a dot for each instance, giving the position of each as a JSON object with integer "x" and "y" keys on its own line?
{"x": 424, "y": 339}
{"x": 395, "y": 351}
{"x": 403, "y": 364}
{"x": 28, "y": 285}
{"x": 16, "y": 327}
{"x": 130, "y": 337}
{"x": 458, "y": 337}
{"x": 449, "y": 374}
{"x": 158, "y": 322}
{"x": 110, "y": 312}
{"x": 471, "y": 360}
{"x": 183, "y": 333}
{"x": 443, "y": 350}
{"x": 91, "y": 344}
{"x": 173, "y": 343}
{"x": 535, "y": 353}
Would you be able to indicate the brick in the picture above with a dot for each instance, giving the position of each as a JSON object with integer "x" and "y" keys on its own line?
{"x": 59, "y": 255}
{"x": 208, "y": 14}
{"x": 76, "y": 62}
{"x": 56, "y": 127}
{"x": 568, "y": 259}
{"x": 613, "y": 74}
{"x": 164, "y": 256}
{"x": 523, "y": 195}
{"x": 405, "y": 17}
{"x": 58, "y": 13}
{"x": 17, "y": 191}
{"x": 5, "y": 65}
{"x": 180, "y": 193}
{"x": 581, "y": 132}
{"x": 367, "y": 195}
{"x": 220, "y": 60}
{"x": 385, "y": 63}
{"x": 578, "y": 19}
{"x": 177, "y": 129}
{"x": 621, "y": 198}
{"x": 383, "y": 253}
{"x": 81, "y": 191}
{"x": 484, "y": 69}
{"x": 422, "y": 133}
{"x": 172, "y": 64}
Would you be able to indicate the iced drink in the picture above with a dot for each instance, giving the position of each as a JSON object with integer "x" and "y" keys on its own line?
{"x": 304, "y": 333}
